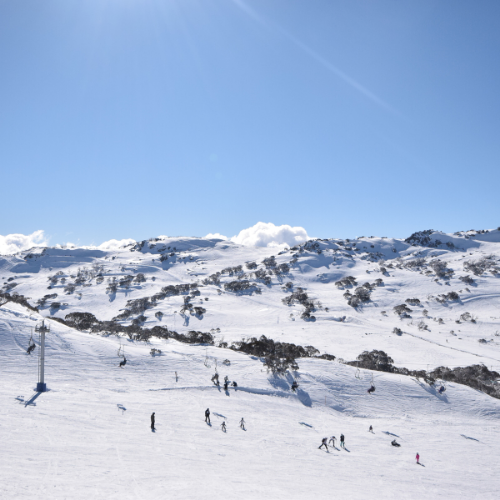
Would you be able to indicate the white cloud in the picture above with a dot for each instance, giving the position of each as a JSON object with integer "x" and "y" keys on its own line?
{"x": 266, "y": 234}
{"x": 216, "y": 236}
{"x": 115, "y": 244}
{"x": 13, "y": 243}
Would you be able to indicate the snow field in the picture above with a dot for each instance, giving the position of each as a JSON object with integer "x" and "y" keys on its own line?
{"x": 89, "y": 436}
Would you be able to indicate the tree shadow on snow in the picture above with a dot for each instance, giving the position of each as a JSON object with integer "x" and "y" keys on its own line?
{"x": 304, "y": 398}
{"x": 279, "y": 383}
{"x": 432, "y": 390}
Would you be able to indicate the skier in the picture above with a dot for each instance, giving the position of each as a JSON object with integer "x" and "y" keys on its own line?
{"x": 226, "y": 383}
{"x": 226, "y": 379}
{"x": 418, "y": 458}
{"x": 234, "y": 384}
{"x": 207, "y": 416}
{"x": 124, "y": 362}
{"x": 395, "y": 443}
{"x": 242, "y": 424}
{"x": 370, "y": 429}
{"x": 153, "y": 421}
{"x": 323, "y": 443}
{"x": 295, "y": 386}
{"x": 342, "y": 441}
{"x": 332, "y": 441}
{"x": 223, "y": 425}
{"x": 441, "y": 389}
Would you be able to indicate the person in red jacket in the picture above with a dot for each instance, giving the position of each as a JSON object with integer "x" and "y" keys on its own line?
{"x": 418, "y": 458}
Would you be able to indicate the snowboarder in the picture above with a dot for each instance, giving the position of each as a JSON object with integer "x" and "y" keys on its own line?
{"x": 395, "y": 443}
{"x": 207, "y": 416}
{"x": 295, "y": 386}
{"x": 323, "y": 443}
{"x": 441, "y": 389}
{"x": 370, "y": 429}
{"x": 242, "y": 424}
{"x": 234, "y": 384}
{"x": 124, "y": 362}
{"x": 153, "y": 421}
{"x": 342, "y": 441}
{"x": 332, "y": 441}
{"x": 226, "y": 383}
{"x": 418, "y": 458}
{"x": 371, "y": 389}
{"x": 223, "y": 425}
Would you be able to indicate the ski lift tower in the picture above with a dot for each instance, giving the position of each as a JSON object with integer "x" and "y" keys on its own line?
{"x": 42, "y": 330}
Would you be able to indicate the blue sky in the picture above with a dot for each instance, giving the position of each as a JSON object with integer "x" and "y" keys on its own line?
{"x": 135, "y": 118}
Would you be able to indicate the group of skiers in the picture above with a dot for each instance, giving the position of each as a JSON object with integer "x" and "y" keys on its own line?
{"x": 325, "y": 442}
{"x": 223, "y": 425}
{"x": 215, "y": 380}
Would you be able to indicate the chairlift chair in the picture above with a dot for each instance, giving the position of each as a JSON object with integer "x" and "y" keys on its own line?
{"x": 358, "y": 372}
{"x": 32, "y": 344}
{"x": 121, "y": 354}
{"x": 372, "y": 387}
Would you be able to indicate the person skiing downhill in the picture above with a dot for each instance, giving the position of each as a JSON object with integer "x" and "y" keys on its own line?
{"x": 226, "y": 383}
{"x": 207, "y": 416}
{"x": 153, "y": 421}
{"x": 223, "y": 425}
{"x": 342, "y": 442}
{"x": 370, "y": 429}
{"x": 323, "y": 443}
{"x": 242, "y": 424}
{"x": 332, "y": 440}
{"x": 418, "y": 458}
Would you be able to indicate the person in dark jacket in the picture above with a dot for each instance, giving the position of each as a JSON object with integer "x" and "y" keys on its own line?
{"x": 342, "y": 441}
{"x": 207, "y": 416}
{"x": 153, "y": 421}
{"x": 323, "y": 443}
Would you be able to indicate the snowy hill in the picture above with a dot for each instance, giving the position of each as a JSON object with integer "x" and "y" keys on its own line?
{"x": 428, "y": 301}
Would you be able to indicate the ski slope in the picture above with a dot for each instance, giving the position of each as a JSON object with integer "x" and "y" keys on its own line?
{"x": 89, "y": 435}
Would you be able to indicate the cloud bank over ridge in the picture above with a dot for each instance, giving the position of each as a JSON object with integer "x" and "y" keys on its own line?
{"x": 266, "y": 234}
{"x": 262, "y": 234}
{"x": 13, "y": 243}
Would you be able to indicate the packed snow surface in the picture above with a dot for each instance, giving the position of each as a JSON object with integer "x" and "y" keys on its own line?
{"x": 89, "y": 435}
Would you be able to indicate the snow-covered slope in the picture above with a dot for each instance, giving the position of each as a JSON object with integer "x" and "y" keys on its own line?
{"x": 89, "y": 435}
